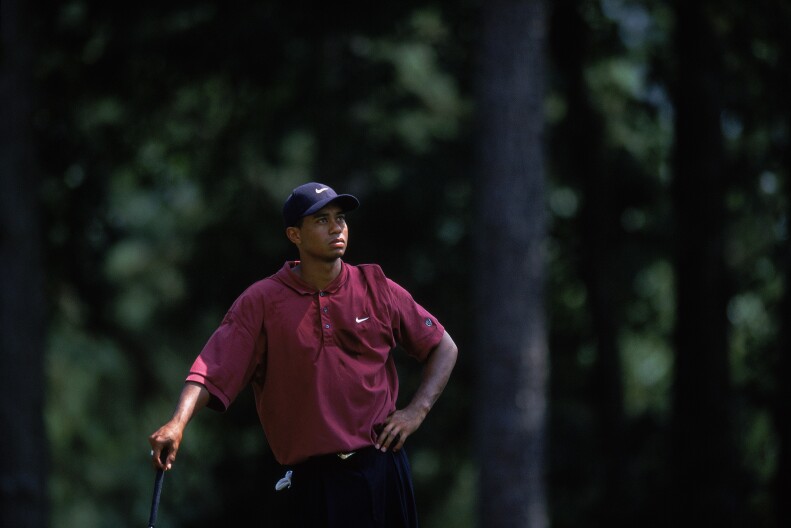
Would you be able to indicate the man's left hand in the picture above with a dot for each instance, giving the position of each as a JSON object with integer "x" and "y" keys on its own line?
{"x": 397, "y": 429}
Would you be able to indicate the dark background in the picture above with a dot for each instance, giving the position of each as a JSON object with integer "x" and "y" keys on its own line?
{"x": 147, "y": 149}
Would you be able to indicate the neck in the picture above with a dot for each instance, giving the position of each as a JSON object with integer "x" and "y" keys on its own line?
{"x": 318, "y": 273}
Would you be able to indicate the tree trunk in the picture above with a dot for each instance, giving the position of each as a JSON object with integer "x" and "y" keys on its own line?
{"x": 23, "y": 453}
{"x": 782, "y": 406}
{"x": 582, "y": 158}
{"x": 782, "y": 371}
{"x": 705, "y": 457}
{"x": 510, "y": 230}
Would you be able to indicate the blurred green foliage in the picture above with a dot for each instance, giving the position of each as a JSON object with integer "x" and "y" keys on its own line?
{"x": 175, "y": 132}
{"x": 171, "y": 132}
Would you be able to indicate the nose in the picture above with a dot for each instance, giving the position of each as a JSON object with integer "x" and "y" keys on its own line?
{"x": 336, "y": 226}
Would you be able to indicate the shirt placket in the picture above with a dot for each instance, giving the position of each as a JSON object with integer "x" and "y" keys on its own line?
{"x": 324, "y": 317}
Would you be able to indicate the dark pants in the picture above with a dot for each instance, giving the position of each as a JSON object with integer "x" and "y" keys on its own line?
{"x": 369, "y": 489}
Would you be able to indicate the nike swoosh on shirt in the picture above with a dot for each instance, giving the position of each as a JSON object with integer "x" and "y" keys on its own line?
{"x": 319, "y": 191}
{"x": 361, "y": 320}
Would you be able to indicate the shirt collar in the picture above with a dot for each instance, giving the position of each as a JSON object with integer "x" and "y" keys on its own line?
{"x": 293, "y": 281}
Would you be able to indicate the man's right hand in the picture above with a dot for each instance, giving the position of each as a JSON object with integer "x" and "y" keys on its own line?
{"x": 166, "y": 440}
{"x": 164, "y": 445}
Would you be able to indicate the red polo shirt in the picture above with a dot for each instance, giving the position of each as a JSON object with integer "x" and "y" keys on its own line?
{"x": 319, "y": 361}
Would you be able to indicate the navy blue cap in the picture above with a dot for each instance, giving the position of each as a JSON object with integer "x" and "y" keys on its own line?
{"x": 306, "y": 199}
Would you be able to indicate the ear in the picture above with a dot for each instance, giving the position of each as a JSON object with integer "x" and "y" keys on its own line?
{"x": 294, "y": 235}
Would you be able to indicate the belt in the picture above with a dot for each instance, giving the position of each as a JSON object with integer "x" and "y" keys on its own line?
{"x": 330, "y": 460}
{"x": 355, "y": 457}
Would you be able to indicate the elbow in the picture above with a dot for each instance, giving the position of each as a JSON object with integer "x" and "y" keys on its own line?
{"x": 449, "y": 348}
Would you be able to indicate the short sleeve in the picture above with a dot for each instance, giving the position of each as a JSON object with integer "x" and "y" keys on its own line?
{"x": 234, "y": 351}
{"x": 415, "y": 329}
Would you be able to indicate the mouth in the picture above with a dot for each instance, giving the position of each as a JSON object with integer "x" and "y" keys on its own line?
{"x": 338, "y": 243}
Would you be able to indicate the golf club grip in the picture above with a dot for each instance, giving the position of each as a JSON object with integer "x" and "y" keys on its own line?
{"x": 152, "y": 519}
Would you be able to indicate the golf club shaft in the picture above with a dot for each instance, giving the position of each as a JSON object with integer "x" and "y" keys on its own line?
{"x": 152, "y": 519}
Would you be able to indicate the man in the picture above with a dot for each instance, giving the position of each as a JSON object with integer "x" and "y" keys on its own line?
{"x": 315, "y": 340}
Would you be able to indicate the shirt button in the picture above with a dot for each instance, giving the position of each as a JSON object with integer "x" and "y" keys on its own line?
{"x": 326, "y": 326}
{"x": 322, "y": 294}
{"x": 325, "y": 310}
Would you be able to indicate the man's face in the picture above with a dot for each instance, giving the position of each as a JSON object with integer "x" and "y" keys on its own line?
{"x": 323, "y": 235}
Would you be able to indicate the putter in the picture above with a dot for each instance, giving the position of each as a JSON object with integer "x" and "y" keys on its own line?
{"x": 152, "y": 518}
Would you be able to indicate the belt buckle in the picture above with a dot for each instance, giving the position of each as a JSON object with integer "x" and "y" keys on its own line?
{"x": 344, "y": 456}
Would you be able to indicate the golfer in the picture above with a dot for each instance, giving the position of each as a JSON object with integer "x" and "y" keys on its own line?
{"x": 315, "y": 340}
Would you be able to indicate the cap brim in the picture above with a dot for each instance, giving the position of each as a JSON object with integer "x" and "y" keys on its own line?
{"x": 347, "y": 202}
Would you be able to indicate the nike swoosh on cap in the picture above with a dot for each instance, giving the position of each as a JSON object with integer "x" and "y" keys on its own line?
{"x": 319, "y": 191}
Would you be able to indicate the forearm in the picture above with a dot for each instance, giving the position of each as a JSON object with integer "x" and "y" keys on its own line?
{"x": 436, "y": 374}
{"x": 166, "y": 440}
{"x": 193, "y": 398}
